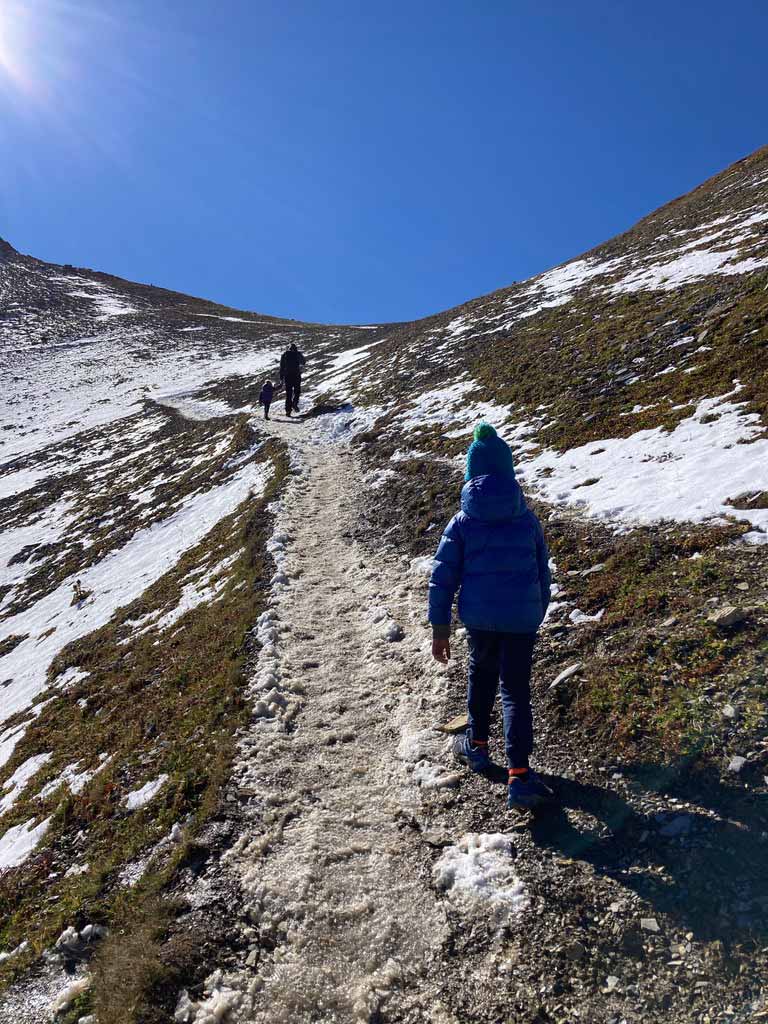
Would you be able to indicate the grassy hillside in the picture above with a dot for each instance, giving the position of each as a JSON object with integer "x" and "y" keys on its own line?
{"x": 136, "y": 496}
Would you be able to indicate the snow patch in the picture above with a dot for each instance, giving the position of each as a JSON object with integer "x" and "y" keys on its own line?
{"x": 17, "y": 782}
{"x": 139, "y": 798}
{"x": 120, "y": 577}
{"x": 479, "y": 866}
{"x": 19, "y": 842}
{"x": 686, "y": 474}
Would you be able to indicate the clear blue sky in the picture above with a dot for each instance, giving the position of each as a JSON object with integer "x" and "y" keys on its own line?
{"x": 360, "y": 161}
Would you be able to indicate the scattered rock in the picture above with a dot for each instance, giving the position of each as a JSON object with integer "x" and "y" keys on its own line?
{"x": 736, "y": 764}
{"x": 566, "y": 674}
{"x": 668, "y": 623}
{"x": 677, "y": 826}
{"x": 575, "y": 951}
{"x": 728, "y": 711}
{"x": 458, "y": 724}
{"x": 742, "y": 586}
{"x": 595, "y": 568}
{"x": 438, "y": 840}
{"x": 729, "y": 615}
{"x": 394, "y": 632}
{"x": 611, "y": 983}
{"x": 649, "y": 924}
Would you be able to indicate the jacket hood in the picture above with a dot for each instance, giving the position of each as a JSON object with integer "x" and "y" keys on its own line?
{"x": 493, "y": 498}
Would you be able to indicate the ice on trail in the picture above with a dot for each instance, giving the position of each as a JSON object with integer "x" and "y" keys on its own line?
{"x": 19, "y": 842}
{"x": 225, "y": 998}
{"x": 331, "y": 883}
{"x": 479, "y": 867}
{"x": 139, "y": 798}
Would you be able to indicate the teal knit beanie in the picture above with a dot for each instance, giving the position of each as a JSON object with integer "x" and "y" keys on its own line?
{"x": 488, "y": 454}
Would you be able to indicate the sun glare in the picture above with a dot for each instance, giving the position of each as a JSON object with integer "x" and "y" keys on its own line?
{"x": 14, "y": 25}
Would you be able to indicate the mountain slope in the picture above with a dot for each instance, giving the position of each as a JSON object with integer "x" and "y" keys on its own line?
{"x": 138, "y": 494}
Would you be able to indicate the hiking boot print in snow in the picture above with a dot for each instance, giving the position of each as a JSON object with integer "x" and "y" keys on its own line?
{"x": 524, "y": 793}
{"x": 475, "y": 757}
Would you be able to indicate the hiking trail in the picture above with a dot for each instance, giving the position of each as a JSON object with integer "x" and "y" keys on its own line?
{"x": 349, "y": 925}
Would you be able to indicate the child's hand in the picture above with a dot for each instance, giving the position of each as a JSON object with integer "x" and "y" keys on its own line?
{"x": 441, "y": 649}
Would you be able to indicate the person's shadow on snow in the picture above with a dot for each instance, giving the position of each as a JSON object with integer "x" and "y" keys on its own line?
{"x": 714, "y": 880}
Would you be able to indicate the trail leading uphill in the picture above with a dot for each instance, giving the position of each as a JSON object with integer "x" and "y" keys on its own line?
{"x": 337, "y": 885}
{"x": 378, "y": 885}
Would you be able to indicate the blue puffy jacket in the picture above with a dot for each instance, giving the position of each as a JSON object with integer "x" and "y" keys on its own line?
{"x": 494, "y": 553}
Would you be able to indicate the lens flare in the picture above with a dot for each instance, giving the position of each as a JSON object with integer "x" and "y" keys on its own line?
{"x": 15, "y": 43}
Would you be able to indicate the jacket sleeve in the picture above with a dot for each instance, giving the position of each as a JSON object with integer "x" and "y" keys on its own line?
{"x": 447, "y": 573}
{"x": 542, "y": 557}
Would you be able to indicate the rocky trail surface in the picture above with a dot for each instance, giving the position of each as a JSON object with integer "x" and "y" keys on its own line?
{"x": 344, "y": 921}
{"x": 376, "y": 883}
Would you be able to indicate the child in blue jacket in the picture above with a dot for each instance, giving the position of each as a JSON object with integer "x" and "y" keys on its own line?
{"x": 493, "y": 552}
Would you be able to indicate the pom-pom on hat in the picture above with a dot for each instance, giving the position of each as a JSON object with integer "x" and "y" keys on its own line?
{"x": 488, "y": 454}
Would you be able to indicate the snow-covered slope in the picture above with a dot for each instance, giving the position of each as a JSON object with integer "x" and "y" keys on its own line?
{"x": 632, "y": 381}
{"x": 137, "y": 490}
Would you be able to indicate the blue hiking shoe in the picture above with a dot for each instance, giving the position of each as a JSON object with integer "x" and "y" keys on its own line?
{"x": 527, "y": 794}
{"x": 475, "y": 758}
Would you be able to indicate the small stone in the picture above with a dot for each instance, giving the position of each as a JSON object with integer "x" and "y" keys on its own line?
{"x": 736, "y": 764}
{"x": 458, "y": 724}
{"x": 611, "y": 982}
{"x": 575, "y": 951}
{"x": 394, "y": 633}
{"x": 729, "y": 615}
{"x": 252, "y": 958}
{"x": 649, "y": 924}
{"x": 436, "y": 839}
{"x": 742, "y": 586}
{"x": 671, "y": 621}
{"x": 728, "y": 711}
{"x": 595, "y": 568}
{"x": 566, "y": 674}
{"x": 677, "y": 826}
{"x": 615, "y": 908}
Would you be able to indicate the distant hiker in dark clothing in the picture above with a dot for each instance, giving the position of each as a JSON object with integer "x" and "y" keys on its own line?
{"x": 493, "y": 552}
{"x": 291, "y": 365}
{"x": 265, "y": 397}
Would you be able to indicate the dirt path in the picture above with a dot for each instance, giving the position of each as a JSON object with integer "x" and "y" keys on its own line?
{"x": 378, "y": 885}
{"x": 346, "y": 923}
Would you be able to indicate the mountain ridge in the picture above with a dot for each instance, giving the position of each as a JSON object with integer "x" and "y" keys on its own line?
{"x": 157, "y": 541}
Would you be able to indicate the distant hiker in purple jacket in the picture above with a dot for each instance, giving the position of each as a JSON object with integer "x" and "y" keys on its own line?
{"x": 265, "y": 396}
{"x": 493, "y": 552}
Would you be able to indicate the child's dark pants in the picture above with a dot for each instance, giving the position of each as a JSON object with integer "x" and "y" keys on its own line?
{"x": 266, "y": 410}
{"x": 502, "y": 660}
